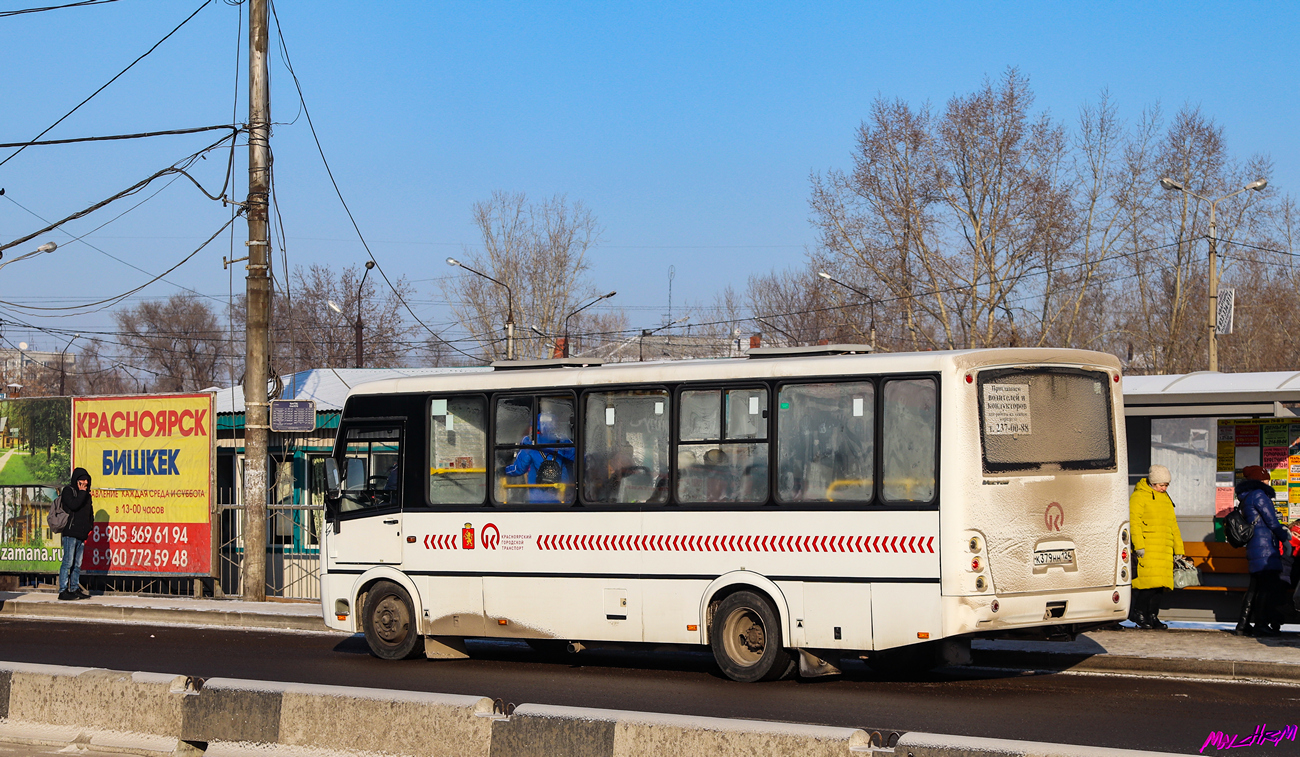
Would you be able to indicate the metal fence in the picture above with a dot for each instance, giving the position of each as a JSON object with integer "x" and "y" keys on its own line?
{"x": 292, "y": 551}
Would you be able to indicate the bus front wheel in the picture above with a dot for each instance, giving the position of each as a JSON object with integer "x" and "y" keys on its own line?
{"x": 746, "y": 639}
{"x": 390, "y": 624}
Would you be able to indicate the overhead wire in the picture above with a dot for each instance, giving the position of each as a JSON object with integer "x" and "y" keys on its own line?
{"x": 115, "y": 137}
{"x": 175, "y": 168}
{"x": 108, "y": 301}
{"x": 81, "y": 4}
{"x": 329, "y": 172}
{"x": 106, "y": 84}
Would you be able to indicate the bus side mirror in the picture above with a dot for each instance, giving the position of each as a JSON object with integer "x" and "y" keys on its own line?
{"x": 333, "y": 486}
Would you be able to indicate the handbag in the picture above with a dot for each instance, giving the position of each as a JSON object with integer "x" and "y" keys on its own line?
{"x": 1185, "y": 573}
{"x": 58, "y": 518}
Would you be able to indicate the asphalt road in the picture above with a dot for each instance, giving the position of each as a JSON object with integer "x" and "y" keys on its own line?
{"x": 1110, "y": 711}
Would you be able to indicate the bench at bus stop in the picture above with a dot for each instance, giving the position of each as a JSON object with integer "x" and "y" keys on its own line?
{"x": 1223, "y": 566}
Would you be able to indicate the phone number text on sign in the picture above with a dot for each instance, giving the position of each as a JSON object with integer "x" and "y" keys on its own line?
{"x": 162, "y": 547}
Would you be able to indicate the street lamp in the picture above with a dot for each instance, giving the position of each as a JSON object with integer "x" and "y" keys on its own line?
{"x": 63, "y": 362}
{"x": 360, "y": 360}
{"x": 47, "y": 247}
{"x": 871, "y": 299}
{"x": 1171, "y": 185}
{"x": 579, "y": 310}
{"x": 510, "y": 306}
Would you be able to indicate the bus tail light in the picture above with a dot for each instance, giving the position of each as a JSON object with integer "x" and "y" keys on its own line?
{"x": 975, "y": 563}
{"x": 1115, "y": 597}
{"x": 1123, "y": 555}
{"x": 980, "y": 583}
{"x": 995, "y": 606}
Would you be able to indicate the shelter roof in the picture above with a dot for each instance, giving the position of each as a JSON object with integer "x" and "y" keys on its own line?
{"x": 1212, "y": 387}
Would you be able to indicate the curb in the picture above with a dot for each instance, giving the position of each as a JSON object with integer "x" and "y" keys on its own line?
{"x": 1178, "y": 667}
{"x": 26, "y": 608}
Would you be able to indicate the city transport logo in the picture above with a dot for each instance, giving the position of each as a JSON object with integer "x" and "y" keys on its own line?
{"x": 490, "y": 536}
{"x": 1054, "y": 516}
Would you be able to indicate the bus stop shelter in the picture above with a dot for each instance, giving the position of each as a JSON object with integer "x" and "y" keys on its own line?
{"x": 1205, "y": 427}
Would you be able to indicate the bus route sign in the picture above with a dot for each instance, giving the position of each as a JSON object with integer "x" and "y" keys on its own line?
{"x": 293, "y": 415}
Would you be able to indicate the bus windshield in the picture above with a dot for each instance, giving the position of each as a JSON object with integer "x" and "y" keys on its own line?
{"x": 1046, "y": 419}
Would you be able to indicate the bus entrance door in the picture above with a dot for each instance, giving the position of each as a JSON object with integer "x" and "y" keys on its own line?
{"x": 371, "y": 506}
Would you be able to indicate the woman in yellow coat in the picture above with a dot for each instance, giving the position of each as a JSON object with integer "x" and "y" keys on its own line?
{"x": 1156, "y": 541}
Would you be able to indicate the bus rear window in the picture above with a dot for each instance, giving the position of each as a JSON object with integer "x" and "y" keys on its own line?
{"x": 1046, "y": 419}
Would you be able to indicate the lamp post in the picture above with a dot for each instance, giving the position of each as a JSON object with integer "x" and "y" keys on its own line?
{"x": 360, "y": 359}
{"x": 579, "y": 310}
{"x": 510, "y": 306}
{"x": 1171, "y": 185}
{"x": 870, "y": 299}
{"x": 63, "y": 362}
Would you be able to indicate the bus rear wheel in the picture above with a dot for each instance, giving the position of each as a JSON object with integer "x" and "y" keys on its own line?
{"x": 746, "y": 639}
{"x": 390, "y": 623}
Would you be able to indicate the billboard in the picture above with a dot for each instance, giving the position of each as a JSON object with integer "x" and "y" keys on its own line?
{"x": 34, "y": 461}
{"x": 151, "y": 459}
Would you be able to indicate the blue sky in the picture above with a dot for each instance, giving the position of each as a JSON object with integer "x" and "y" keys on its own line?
{"x": 689, "y": 130}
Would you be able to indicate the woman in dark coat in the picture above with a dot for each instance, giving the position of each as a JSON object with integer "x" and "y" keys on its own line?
{"x": 1259, "y": 607}
{"x": 80, "y": 505}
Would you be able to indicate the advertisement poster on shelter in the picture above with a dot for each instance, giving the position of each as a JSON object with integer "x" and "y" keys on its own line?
{"x": 35, "y": 450}
{"x": 150, "y": 459}
{"x": 1272, "y": 443}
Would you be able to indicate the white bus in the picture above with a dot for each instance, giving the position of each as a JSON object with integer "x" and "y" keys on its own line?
{"x": 794, "y": 508}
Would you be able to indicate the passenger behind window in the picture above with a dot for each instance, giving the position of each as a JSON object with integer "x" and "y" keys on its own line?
{"x": 547, "y": 471}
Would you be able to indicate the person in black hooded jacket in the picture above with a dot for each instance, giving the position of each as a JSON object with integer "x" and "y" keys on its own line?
{"x": 80, "y": 505}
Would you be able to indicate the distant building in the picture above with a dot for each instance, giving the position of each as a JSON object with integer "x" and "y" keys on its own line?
{"x": 20, "y": 366}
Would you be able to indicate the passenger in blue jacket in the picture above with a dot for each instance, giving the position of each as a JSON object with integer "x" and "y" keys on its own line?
{"x": 547, "y": 470}
{"x": 1259, "y": 608}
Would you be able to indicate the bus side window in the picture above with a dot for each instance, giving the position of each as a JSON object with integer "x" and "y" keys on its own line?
{"x": 907, "y": 440}
{"x": 625, "y": 447}
{"x": 713, "y": 463}
{"x": 534, "y": 451}
{"x": 458, "y": 451}
{"x": 825, "y": 444}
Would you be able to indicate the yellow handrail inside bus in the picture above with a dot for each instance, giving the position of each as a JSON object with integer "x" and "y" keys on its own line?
{"x": 445, "y": 471}
{"x": 843, "y": 482}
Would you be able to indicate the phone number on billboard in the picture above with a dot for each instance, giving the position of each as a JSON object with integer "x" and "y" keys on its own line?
{"x": 129, "y": 557}
{"x": 142, "y": 534}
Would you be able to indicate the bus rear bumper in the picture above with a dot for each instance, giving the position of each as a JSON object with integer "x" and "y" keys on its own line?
{"x": 1014, "y": 614}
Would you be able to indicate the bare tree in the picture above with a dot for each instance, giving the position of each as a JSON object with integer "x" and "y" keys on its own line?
{"x": 177, "y": 341}
{"x": 93, "y": 373}
{"x": 308, "y": 332}
{"x": 539, "y": 251}
{"x": 988, "y": 224}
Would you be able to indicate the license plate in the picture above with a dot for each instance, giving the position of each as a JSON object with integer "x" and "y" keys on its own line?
{"x": 1054, "y": 557}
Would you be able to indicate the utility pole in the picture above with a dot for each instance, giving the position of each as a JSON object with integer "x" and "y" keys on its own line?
{"x": 1214, "y": 293}
{"x": 1213, "y": 331}
{"x": 256, "y": 342}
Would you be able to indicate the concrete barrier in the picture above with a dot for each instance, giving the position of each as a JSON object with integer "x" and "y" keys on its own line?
{"x": 339, "y": 718}
{"x": 176, "y": 716}
{"x": 535, "y": 729}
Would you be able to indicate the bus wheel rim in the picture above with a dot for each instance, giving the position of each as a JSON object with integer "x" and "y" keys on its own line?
{"x": 744, "y": 637}
{"x": 391, "y": 620}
